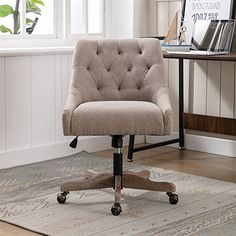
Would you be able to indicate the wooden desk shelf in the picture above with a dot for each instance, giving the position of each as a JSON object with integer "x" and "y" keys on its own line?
{"x": 211, "y": 124}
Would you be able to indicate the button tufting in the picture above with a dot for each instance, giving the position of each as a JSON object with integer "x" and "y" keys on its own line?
{"x": 108, "y": 69}
{"x": 98, "y": 50}
{"x": 129, "y": 69}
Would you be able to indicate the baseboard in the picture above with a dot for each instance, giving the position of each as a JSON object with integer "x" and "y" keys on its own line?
{"x": 48, "y": 152}
{"x": 93, "y": 144}
{"x": 201, "y": 143}
{"x": 212, "y": 145}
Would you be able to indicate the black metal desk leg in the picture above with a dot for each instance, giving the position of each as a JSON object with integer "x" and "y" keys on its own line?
{"x": 131, "y": 147}
{"x": 180, "y": 140}
{"x": 181, "y": 103}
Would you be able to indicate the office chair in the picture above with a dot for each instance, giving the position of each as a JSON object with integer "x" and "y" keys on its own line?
{"x": 117, "y": 88}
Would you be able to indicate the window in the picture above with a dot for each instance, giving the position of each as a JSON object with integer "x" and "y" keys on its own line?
{"x": 84, "y": 17}
{"x": 51, "y": 18}
{"x": 24, "y": 17}
{"x": 45, "y": 23}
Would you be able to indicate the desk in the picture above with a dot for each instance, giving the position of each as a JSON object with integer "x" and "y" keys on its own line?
{"x": 226, "y": 57}
{"x": 188, "y": 120}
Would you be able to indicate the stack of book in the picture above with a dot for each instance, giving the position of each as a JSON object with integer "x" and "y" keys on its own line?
{"x": 175, "y": 47}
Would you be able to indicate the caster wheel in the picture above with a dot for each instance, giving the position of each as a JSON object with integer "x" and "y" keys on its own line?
{"x": 61, "y": 197}
{"x": 116, "y": 209}
{"x": 173, "y": 198}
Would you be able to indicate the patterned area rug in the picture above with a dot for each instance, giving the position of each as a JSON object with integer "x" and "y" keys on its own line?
{"x": 28, "y": 198}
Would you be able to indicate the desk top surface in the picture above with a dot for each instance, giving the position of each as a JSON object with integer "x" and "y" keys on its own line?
{"x": 227, "y": 57}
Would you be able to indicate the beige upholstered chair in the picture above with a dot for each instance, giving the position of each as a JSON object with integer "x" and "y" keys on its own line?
{"x": 117, "y": 88}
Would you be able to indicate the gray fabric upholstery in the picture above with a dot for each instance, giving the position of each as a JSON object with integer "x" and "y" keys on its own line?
{"x": 117, "y": 71}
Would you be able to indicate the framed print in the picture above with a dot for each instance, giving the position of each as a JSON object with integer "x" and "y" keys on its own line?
{"x": 193, "y": 10}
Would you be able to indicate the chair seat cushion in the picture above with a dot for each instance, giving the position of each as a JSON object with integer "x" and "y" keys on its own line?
{"x": 117, "y": 118}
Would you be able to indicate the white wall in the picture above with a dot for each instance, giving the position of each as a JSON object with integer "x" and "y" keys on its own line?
{"x": 119, "y": 18}
{"x": 140, "y": 18}
{"x": 129, "y": 18}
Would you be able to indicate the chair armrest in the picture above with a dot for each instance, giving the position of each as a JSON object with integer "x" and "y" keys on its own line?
{"x": 73, "y": 101}
{"x": 162, "y": 100}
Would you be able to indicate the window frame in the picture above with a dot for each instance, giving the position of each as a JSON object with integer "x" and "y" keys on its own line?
{"x": 61, "y": 35}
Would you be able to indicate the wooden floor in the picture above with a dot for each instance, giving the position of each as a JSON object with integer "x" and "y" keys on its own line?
{"x": 11, "y": 230}
{"x": 197, "y": 163}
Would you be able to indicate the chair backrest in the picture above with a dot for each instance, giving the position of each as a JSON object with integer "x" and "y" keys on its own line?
{"x": 117, "y": 69}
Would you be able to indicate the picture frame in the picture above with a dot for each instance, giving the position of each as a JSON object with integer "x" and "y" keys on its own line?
{"x": 193, "y": 10}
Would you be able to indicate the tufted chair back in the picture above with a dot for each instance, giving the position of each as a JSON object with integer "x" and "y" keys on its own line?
{"x": 124, "y": 69}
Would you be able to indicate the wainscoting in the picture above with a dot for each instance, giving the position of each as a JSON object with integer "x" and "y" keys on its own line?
{"x": 33, "y": 92}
